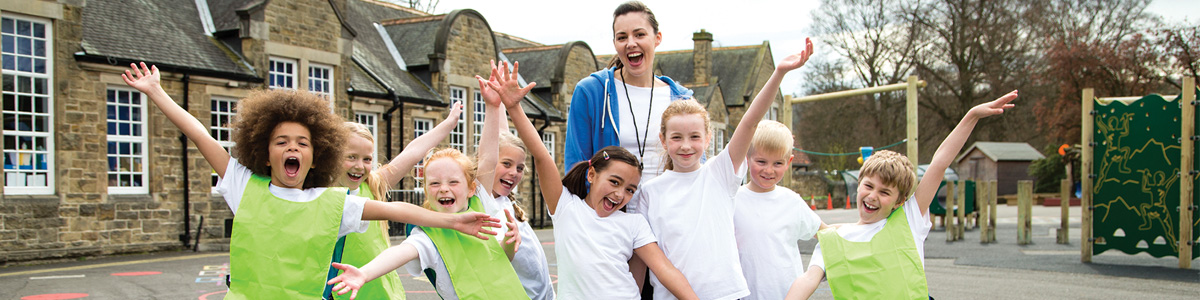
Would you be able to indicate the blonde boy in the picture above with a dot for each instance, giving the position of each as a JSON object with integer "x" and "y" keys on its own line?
{"x": 883, "y": 255}
{"x": 769, "y": 219}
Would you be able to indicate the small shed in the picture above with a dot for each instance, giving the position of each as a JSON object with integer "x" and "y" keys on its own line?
{"x": 1006, "y": 163}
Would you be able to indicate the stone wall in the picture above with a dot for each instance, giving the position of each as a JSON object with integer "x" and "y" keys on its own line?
{"x": 304, "y": 23}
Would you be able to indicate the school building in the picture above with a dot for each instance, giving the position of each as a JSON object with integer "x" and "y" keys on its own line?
{"x": 91, "y": 169}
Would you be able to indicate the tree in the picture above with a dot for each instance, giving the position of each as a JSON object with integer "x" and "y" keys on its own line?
{"x": 425, "y": 6}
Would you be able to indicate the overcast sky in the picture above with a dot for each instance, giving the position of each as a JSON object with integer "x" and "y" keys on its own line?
{"x": 732, "y": 23}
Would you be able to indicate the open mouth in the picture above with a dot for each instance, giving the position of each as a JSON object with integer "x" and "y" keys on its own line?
{"x": 507, "y": 184}
{"x": 635, "y": 59}
{"x": 356, "y": 177}
{"x": 291, "y": 166}
{"x": 869, "y": 208}
{"x": 608, "y": 204}
{"x": 446, "y": 201}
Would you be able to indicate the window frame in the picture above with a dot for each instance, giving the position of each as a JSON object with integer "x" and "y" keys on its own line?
{"x": 459, "y": 94}
{"x": 315, "y": 81}
{"x": 272, "y": 72}
{"x": 373, "y": 126}
{"x": 137, "y": 138}
{"x": 419, "y": 169}
{"x": 215, "y": 130}
{"x": 47, "y": 77}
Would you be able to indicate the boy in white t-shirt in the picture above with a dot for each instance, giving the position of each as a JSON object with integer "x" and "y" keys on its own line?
{"x": 883, "y": 255}
{"x": 768, "y": 219}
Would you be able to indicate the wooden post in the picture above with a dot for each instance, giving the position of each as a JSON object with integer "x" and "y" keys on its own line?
{"x": 1085, "y": 175}
{"x": 949, "y": 225}
{"x": 961, "y": 210}
{"x": 911, "y": 120}
{"x": 981, "y": 206}
{"x": 1064, "y": 224}
{"x": 1024, "y": 205}
{"x": 1187, "y": 151}
{"x": 993, "y": 195}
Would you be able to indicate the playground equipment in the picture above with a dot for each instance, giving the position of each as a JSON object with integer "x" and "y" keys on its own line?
{"x": 1138, "y": 161}
{"x": 910, "y": 106}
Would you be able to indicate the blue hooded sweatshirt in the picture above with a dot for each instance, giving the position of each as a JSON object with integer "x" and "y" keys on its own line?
{"x": 594, "y": 115}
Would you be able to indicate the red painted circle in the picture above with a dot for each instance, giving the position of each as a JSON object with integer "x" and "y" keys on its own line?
{"x": 136, "y": 273}
{"x": 55, "y": 296}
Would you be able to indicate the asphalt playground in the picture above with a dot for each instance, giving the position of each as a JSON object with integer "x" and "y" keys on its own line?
{"x": 965, "y": 269}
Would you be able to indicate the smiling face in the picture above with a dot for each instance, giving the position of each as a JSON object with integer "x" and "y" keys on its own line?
{"x": 876, "y": 200}
{"x": 612, "y": 188}
{"x": 358, "y": 162}
{"x": 290, "y": 155}
{"x": 766, "y": 169}
{"x": 509, "y": 170}
{"x": 686, "y": 137}
{"x": 634, "y": 38}
{"x": 447, "y": 184}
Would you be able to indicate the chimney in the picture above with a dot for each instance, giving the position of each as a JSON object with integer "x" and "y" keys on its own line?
{"x": 701, "y": 57}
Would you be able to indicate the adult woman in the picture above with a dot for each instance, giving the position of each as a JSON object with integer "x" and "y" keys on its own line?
{"x": 622, "y": 105}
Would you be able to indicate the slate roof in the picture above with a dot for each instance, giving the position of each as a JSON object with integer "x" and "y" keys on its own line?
{"x": 375, "y": 69}
{"x": 732, "y": 66}
{"x": 414, "y": 37}
{"x": 164, "y": 32}
{"x": 1002, "y": 151}
{"x": 537, "y": 63}
{"x": 224, "y": 12}
{"x": 506, "y": 41}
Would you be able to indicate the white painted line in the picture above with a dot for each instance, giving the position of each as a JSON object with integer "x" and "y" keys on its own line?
{"x": 57, "y": 277}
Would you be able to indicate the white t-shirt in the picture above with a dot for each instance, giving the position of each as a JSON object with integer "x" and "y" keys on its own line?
{"x": 918, "y": 224}
{"x": 691, "y": 214}
{"x": 652, "y": 159}
{"x": 530, "y": 260}
{"x": 767, "y": 227}
{"x": 233, "y": 185}
{"x": 593, "y": 252}
{"x": 428, "y": 256}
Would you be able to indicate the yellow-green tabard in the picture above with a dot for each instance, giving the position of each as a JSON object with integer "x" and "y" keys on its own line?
{"x": 282, "y": 249}
{"x": 361, "y": 248}
{"x": 887, "y": 267}
{"x": 478, "y": 269}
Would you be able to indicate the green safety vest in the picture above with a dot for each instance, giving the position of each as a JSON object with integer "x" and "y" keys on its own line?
{"x": 282, "y": 249}
{"x": 478, "y": 269}
{"x": 361, "y": 248}
{"x": 887, "y": 267}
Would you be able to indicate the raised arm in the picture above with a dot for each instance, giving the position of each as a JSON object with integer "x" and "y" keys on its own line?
{"x": 470, "y": 223}
{"x": 549, "y": 181}
{"x": 927, "y": 188}
{"x": 739, "y": 143}
{"x": 670, "y": 277}
{"x": 418, "y": 147}
{"x": 354, "y": 278}
{"x": 489, "y": 140}
{"x": 146, "y": 80}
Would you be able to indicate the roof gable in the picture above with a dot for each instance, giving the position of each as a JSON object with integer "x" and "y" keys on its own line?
{"x": 376, "y": 68}
{"x": 735, "y": 68}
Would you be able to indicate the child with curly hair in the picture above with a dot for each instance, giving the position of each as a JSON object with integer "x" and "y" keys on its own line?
{"x": 285, "y": 230}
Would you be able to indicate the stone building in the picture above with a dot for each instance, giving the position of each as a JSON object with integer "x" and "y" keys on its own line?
{"x": 92, "y": 169}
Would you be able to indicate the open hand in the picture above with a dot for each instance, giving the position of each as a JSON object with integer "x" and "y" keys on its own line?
{"x": 507, "y": 85}
{"x": 512, "y": 238}
{"x": 143, "y": 79}
{"x": 455, "y": 112}
{"x": 994, "y": 107}
{"x": 794, "y": 61}
{"x": 350, "y": 281}
{"x": 474, "y": 223}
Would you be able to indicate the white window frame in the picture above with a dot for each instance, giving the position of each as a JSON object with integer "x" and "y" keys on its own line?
{"x": 458, "y": 135}
{"x": 320, "y": 81}
{"x": 371, "y": 120}
{"x": 38, "y": 169}
{"x": 478, "y": 113}
{"x": 548, "y": 139}
{"x": 223, "y": 109}
{"x": 718, "y": 141}
{"x": 421, "y": 126}
{"x": 276, "y": 72}
{"x": 130, "y": 166}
